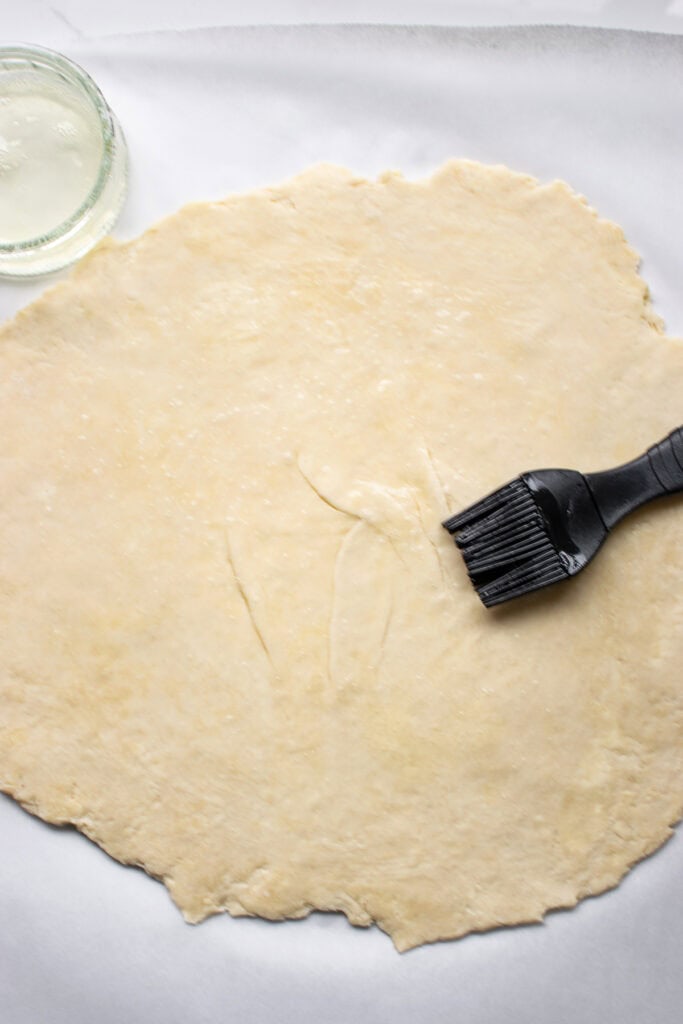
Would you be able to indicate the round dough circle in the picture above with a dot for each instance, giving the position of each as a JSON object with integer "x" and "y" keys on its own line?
{"x": 236, "y": 646}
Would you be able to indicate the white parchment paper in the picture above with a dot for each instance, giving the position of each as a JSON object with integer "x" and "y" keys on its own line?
{"x": 83, "y": 939}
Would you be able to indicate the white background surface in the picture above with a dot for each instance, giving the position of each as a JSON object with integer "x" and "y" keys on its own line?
{"x": 57, "y": 21}
{"x": 83, "y": 939}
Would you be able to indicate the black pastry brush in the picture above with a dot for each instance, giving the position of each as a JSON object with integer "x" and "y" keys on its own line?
{"x": 546, "y": 525}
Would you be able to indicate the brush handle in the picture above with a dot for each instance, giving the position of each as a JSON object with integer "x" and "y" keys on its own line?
{"x": 656, "y": 473}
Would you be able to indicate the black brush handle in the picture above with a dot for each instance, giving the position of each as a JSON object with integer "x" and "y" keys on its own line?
{"x": 656, "y": 473}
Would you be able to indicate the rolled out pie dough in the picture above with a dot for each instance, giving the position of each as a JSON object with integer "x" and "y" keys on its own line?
{"x": 236, "y": 646}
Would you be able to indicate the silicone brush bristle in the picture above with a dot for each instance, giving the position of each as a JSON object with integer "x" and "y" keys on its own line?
{"x": 505, "y": 544}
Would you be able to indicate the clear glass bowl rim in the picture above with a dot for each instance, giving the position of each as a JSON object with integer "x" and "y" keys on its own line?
{"x": 42, "y": 59}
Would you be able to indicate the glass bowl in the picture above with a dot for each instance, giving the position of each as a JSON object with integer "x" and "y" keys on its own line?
{"x": 63, "y": 162}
